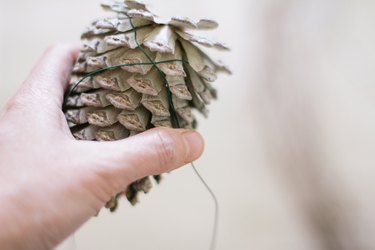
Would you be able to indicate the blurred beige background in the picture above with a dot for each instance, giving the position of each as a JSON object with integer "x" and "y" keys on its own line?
{"x": 290, "y": 143}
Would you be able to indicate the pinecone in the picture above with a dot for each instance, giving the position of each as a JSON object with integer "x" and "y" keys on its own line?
{"x": 136, "y": 72}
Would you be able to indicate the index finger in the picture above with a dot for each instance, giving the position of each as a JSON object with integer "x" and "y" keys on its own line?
{"x": 52, "y": 72}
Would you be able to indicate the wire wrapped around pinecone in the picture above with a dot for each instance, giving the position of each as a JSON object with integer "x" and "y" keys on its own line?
{"x": 136, "y": 72}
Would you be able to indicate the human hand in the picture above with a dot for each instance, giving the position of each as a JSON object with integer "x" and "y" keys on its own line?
{"x": 50, "y": 184}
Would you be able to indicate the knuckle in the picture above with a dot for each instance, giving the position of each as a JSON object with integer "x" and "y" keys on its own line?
{"x": 3, "y": 134}
{"x": 167, "y": 150}
{"x": 14, "y": 105}
{"x": 55, "y": 47}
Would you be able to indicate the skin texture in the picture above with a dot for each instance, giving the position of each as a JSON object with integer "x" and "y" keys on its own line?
{"x": 50, "y": 184}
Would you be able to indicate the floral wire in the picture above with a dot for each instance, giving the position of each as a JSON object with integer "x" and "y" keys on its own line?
{"x": 216, "y": 203}
{"x": 172, "y": 110}
{"x": 161, "y": 73}
{"x": 93, "y": 73}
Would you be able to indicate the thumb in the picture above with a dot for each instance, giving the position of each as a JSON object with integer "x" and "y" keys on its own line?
{"x": 153, "y": 152}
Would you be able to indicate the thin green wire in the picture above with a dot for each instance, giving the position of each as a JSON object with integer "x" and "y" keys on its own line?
{"x": 93, "y": 73}
{"x": 172, "y": 111}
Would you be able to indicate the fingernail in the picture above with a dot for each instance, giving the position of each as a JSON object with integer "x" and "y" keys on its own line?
{"x": 194, "y": 144}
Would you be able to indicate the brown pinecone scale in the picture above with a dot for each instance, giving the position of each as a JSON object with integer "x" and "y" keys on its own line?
{"x": 136, "y": 72}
